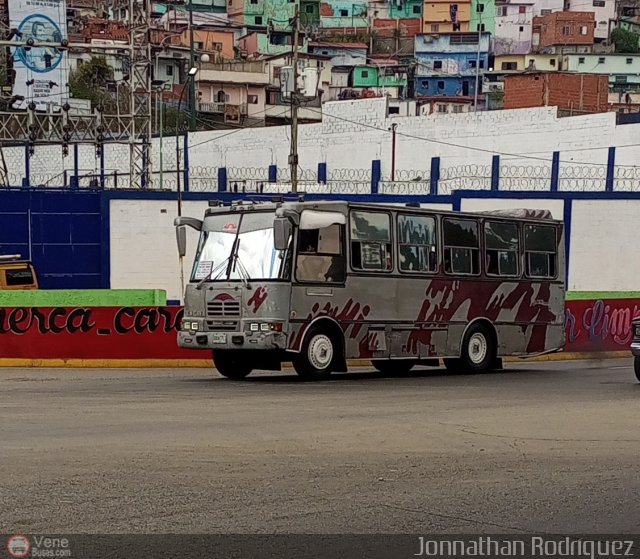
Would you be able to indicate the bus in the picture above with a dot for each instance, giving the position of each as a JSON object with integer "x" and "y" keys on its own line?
{"x": 317, "y": 283}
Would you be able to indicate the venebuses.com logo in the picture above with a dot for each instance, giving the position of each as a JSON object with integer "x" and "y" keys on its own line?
{"x": 18, "y": 546}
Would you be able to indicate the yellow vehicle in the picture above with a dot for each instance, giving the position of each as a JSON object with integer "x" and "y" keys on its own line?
{"x": 16, "y": 273}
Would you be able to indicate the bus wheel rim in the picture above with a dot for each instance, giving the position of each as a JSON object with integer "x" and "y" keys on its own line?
{"x": 320, "y": 351}
{"x": 478, "y": 348}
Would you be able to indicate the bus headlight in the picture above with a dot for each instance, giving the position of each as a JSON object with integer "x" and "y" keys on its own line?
{"x": 264, "y": 327}
{"x": 189, "y": 325}
{"x": 254, "y": 326}
{"x": 637, "y": 331}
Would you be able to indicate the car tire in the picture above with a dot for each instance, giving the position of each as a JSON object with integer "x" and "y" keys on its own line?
{"x": 231, "y": 364}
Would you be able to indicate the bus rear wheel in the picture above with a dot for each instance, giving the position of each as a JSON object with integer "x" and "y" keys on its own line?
{"x": 231, "y": 364}
{"x": 317, "y": 355}
{"x": 393, "y": 366}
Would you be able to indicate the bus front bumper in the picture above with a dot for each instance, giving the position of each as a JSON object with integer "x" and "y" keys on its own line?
{"x": 232, "y": 340}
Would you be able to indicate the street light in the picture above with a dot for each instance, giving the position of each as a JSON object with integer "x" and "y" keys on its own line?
{"x": 191, "y": 74}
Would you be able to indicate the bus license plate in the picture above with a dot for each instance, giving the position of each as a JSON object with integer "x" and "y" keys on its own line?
{"x": 218, "y": 338}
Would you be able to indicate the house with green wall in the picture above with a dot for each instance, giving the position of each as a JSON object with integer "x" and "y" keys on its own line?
{"x": 405, "y": 9}
{"x": 483, "y": 12}
{"x": 393, "y": 79}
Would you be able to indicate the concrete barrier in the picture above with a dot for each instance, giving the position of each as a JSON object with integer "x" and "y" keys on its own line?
{"x": 128, "y": 336}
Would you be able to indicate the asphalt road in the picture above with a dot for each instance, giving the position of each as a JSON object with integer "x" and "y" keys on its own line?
{"x": 542, "y": 447}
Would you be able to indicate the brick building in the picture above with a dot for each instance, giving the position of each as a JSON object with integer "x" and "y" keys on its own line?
{"x": 572, "y": 93}
{"x": 561, "y": 32}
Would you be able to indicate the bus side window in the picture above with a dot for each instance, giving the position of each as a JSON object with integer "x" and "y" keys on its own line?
{"x": 371, "y": 241}
{"x": 502, "y": 248}
{"x": 540, "y": 251}
{"x": 417, "y": 243}
{"x": 461, "y": 247}
{"x": 320, "y": 256}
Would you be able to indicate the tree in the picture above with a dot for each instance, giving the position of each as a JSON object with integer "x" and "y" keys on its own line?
{"x": 625, "y": 41}
{"x": 90, "y": 81}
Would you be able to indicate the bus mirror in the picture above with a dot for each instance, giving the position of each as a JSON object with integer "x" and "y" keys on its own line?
{"x": 181, "y": 238}
{"x": 281, "y": 233}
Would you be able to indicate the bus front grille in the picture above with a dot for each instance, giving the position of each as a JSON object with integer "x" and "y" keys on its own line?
{"x": 223, "y": 308}
{"x": 222, "y": 326}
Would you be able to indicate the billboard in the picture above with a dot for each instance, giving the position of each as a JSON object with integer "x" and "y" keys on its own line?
{"x": 41, "y": 72}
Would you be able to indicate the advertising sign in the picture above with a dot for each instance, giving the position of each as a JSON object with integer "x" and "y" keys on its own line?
{"x": 41, "y": 72}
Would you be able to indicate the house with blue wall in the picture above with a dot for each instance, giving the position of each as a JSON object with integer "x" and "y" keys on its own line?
{"x": 447, "y": 63}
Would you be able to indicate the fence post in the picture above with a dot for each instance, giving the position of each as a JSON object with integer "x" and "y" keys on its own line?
{"x": 495, "y": 173}
{"x": 555, "y": 171}
{"x": 611, "y": 167}
{"x": 75, "y": 179}
{"x": 185, "y": 148}
{"x": 26, "y": 180}
{"x": 435, "y": 176}
{"x": 376, "y": 173}
{"x": 102, "y": 178}
{"x": 145, "y": 168}
{"x": 273, "y": 173}
{"x": 222, "y": 179}
{"x": 322, "y": 173}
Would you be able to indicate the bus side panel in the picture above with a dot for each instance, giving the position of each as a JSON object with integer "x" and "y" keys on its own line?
{"x": 419, "y": 318}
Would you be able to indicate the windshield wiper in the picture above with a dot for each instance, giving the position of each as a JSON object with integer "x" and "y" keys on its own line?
{"x": 242, "y": 270}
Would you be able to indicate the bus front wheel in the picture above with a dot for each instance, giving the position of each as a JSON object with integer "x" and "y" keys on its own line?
{"x": 636, "y": 367}
{"x": 231, "y": 364}
{"x": 317, "y": 355}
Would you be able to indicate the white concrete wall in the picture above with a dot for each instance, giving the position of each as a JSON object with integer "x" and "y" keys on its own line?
{"x": 144, "y": 253}
{"x": 353, "y": 133}
{"x": 603, "y": 253}
{"x": 603, "y": 233}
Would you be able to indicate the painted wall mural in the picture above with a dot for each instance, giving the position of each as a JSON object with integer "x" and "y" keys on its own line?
{"x": 150, "y": 332}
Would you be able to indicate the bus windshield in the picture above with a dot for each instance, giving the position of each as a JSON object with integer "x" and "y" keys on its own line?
{"x": 239, "y": 246}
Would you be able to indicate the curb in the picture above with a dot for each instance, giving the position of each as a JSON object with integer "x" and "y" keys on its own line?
{"x": 208, "y": 363}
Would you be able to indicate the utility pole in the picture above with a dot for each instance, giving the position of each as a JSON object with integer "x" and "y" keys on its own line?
{"x": 293, "y": 155}
{"x": 479, "y": 9}
{"x": 192, "y": 63}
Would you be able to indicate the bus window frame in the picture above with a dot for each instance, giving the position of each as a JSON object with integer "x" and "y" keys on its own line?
{"x": 390, "y": 215}
{"x": 436, "y": 220}
{"x": 519, "y": 252}
{"x": 524, "y": 251}
{"x": 296, "y": 253}
{"x": 479, "y": 249}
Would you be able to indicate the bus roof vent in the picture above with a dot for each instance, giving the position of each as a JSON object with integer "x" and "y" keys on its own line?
{"x": 521, "y": 213}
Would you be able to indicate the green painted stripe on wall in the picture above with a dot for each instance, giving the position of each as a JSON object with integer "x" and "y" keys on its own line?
{"x": 84, "y": 298}
{"x": 583, "y": 295}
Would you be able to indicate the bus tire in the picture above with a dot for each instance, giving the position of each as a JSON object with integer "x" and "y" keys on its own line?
{"x": 393, "y": 366}
{"x": 636, "y": 367}
{"x": 317, "y": 356}
{"x": 231, "y": 364}
{"x": 478, "y": 351}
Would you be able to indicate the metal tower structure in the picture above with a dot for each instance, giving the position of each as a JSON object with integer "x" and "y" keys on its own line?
{"x": 62, "y": 127}
{"x": 140, "y": 91}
